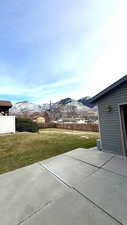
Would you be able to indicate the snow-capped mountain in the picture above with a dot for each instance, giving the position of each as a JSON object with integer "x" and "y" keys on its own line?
{"x": 45, "y": 107}
{"x": 84, "y": 101}
{"x": 76, "y": 105}
{"x": 25, "y": 107}
{"x": 63, "y": 107}
{"x": 64, "y": 101}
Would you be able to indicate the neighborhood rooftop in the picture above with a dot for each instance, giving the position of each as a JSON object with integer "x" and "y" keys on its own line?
{"x": 108, "y": 89}
{"x": 5, "y": 103}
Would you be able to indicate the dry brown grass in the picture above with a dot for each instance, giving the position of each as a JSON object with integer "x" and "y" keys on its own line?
{"x": 22, "y": 149}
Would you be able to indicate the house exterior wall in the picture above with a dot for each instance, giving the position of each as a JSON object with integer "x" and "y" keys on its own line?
{"x": 111, "y": 137}
{"x": 7, "y": 124}
{"x": 40, "y": 120}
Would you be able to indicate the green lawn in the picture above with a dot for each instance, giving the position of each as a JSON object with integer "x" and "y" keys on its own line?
{"x": 21, "y": 149}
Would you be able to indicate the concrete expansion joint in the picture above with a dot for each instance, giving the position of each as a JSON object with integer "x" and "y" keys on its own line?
{"x": 113, "y": 156}
{"x": 90, "y": 164}
{"x": 35, "y": 212}
{"x": 110, "y": 171}
{"x": 98, "y": 167}
{"x": 54, "y": 174}
{"x": 99, "y": 207}
{"x": 81, "y": 194}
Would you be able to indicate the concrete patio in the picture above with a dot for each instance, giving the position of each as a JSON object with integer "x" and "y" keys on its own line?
{"x": 81, "y": 187}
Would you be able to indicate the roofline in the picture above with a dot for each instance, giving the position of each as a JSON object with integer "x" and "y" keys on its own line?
{"x": 107, "y": 90}
{"x": 5, "y": 103}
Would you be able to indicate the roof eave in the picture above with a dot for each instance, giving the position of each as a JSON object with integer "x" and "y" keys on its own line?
{"x": 107, "y": 90}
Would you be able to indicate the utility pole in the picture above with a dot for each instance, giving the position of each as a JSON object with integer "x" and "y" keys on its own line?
{"x": 50, "y": 106}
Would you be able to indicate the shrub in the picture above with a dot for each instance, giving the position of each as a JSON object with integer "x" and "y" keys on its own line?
{"x": 24, "y": 124}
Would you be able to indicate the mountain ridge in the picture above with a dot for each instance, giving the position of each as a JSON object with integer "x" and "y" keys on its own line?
{"x": 64, "y": 107}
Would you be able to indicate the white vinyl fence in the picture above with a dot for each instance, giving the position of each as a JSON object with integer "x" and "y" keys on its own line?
{"x": 7, "y": 124}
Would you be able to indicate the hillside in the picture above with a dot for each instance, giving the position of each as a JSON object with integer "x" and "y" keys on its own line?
{"x": 64, "y": 108}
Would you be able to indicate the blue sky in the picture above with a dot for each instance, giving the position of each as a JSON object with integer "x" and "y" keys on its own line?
{"x": 55, "y": 49}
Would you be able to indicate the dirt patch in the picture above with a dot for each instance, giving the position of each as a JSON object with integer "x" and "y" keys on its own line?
{"x": 85, "y": 137}
{"x": 65, "y": 132}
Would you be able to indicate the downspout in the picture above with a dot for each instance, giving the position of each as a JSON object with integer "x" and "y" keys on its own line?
{"x": 100, "y": 140}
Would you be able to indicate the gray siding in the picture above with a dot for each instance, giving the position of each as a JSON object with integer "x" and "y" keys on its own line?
{"x": 110, "y": 121}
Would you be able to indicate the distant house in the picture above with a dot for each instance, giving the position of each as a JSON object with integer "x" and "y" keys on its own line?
{"x": 82, "y": 121}
{"x": 73, "y": 120}
{"x": 112, "y": 109}
{"x": 7, "y": 123}
{"x": 66, "y": 120}
{"x": 4, "y": 107}
{"x": 40, "y": 119}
